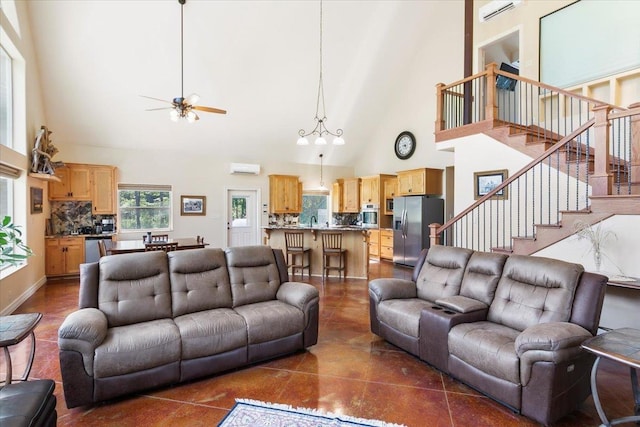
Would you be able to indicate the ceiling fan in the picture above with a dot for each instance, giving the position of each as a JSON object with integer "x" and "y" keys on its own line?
{"x": 182, "y": 107}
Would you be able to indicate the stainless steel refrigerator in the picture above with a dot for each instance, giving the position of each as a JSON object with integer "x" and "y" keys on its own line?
{"x": 411, "y": 218}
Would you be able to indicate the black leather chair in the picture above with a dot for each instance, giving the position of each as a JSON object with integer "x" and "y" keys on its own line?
{"x": 28, "y": 403}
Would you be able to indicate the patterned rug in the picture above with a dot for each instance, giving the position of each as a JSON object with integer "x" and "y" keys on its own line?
{"x": 253, "y": 413}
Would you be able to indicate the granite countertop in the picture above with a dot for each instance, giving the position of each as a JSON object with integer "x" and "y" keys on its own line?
{"x": 316, "y": 227}
{"x": 56, "y": 236}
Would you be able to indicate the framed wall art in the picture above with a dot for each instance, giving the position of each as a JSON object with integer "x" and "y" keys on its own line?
{"x": 193, "y": 205}
{"x": 36, "y": 200}
{"x": 485, "y": 182}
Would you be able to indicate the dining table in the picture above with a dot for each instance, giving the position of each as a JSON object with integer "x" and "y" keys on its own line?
{"x": 129, "y": 246}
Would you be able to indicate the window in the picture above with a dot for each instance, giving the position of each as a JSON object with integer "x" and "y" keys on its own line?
{"x": 6, "y": 202}
{"x": 6, "y": 99}
{"x": 144, "y": 207}
{"x": 316, "y": 205}
{"x": 239, "y": 211}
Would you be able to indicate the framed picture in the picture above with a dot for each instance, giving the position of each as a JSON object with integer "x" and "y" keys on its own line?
{"x": 193, "y": 205}
{"x": 36, "y": 200}
{"x": 485, "y": 182}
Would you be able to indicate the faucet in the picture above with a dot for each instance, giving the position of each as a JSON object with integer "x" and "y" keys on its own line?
{"x": 313, "y": 218}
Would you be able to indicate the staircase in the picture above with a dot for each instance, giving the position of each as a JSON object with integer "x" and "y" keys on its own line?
{"x": 586, "y": 165}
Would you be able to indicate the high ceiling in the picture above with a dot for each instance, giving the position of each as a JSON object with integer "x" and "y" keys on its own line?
{"x": 259, "y": 60}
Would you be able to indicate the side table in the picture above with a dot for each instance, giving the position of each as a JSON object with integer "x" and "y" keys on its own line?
{"x": 13, "y": 329}
{"x": 622, "y": 346}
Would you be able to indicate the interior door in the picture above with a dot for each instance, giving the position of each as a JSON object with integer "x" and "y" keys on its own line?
{"x": 242, "y": 218}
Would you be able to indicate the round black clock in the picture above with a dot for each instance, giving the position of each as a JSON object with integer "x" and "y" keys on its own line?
{"x": 405, "y": 145}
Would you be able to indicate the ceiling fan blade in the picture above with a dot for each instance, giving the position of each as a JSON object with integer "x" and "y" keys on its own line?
{"x": 156, "y": 99}
{"x": 161, "y": 108}
{"x": 192, "y": 99}
{"x": 209, "y": 109}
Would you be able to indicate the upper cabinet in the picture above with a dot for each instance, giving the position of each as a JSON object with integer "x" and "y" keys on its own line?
{"x": 390, "y": 191}
{"x": 103, "y": 190}
{"x": 75, "y": 183}
{"x": 79, "y": 182}
{"x": 351, "y": 195}
{"x": 337, "y": 200}
{"x": 422, "y": 181}
{"x": 285, "y": 194}
{"x": 372, "y": 189}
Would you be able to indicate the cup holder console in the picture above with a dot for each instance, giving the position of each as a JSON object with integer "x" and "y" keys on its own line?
{"x": 450, "y": 312}
{"x": 435, "y": 307}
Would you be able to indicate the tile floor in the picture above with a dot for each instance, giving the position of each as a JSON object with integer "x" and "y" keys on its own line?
{"x": 349, "y": 371}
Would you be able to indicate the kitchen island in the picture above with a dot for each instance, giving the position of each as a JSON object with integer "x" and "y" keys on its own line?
{"x": 354, "y": 239}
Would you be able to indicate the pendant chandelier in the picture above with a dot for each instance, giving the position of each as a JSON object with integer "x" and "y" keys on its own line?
{"x": 322, "y": 187}
{"x": 320, "y": 129}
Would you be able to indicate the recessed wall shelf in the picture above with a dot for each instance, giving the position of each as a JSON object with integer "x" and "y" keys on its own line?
{"x": 44, "y": 176}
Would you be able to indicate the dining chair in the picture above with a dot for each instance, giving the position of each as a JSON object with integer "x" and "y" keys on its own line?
{"x": 102, "y": 248}
{"x": 332, "y": 248}
{"x": 162, "y": 246}
{"x": 296, "y": 252}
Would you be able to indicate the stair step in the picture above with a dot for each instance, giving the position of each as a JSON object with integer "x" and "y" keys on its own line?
{"x": 549, "y": 226}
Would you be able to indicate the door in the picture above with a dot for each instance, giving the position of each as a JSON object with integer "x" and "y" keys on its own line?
{"x": 242, "y": 218}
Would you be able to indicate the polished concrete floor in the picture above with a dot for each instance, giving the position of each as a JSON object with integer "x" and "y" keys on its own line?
{"x": 350, "y": 371}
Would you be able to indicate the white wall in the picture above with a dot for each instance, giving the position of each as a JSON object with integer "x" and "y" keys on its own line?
{"x": 21, "y": 283}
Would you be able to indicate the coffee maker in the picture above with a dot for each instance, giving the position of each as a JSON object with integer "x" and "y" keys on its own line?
{"x": 108, "y": 226}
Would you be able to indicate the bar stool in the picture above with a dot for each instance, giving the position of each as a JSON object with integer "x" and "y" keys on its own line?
{"x": 332, "y": 248}
{"x": 295, "y": 249}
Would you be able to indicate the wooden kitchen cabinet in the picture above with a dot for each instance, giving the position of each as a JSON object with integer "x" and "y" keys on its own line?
{"x": 63, "y": 255}
{"x": 75, "y": 183}
{"x": 103, "y": 190}
{"x": 386, "y": 243}
{"x": 285, "y": 194}
{"x": 337, "y": 201}
{"x": 374, "y": 243}
{"x": 390, "y": 191}
{"x": 422, "y": 181}
{"x": 369, "y": 190}
{"x": 351, "y": 195}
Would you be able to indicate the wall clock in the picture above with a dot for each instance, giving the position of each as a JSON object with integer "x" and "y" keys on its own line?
{"x": 405, "y": 145}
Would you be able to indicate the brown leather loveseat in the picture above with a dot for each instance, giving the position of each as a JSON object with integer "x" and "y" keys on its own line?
{"x": 508, "y": 326}
{"x": 154, "y": 318}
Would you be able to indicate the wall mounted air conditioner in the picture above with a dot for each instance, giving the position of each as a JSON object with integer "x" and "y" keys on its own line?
{"x": 496, "y": 7}
{"x": 244, "y": 168}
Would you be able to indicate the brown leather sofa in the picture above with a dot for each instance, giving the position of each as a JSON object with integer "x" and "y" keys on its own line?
{"x": 508, "y": 326}
{"x": 151, "y": 319}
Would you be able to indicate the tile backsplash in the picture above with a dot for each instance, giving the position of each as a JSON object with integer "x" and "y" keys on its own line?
{"x": 68, "y": 217}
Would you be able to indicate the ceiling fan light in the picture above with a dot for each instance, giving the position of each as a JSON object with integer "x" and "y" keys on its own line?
{"x": 174, "y": 115}
{"x": 321, "y": 141}
{"x": 302, "y": 141}
{"x": 338, "y": 141}
{"x": 192, "y": 117}
{"x": 192, "y": 99}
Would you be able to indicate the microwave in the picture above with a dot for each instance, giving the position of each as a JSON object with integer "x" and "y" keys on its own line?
{"x": 370, "y": 215}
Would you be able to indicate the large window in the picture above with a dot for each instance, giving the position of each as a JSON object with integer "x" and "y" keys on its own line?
{"x": 315, "y": 205}
{"x": 6, "y": 99}
{"x": 144, "y": 207}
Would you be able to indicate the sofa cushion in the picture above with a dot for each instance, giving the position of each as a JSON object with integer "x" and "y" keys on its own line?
{"x": 134, "y": 288}
{"x": 442, "y": 272}
{"x": 534, "y": 290}
{"x": 271, "y": 320}
{"x": 199, "y": 280}
{"x": 210, "y": 332}
{"x": 253, "y": 273}
{"x": 482, "y": 275}
{"x": 461, "y": 304}
{"x": 134, "y": 348}
{"x": 488, "y": 347}
{"x": 403, "y": 314}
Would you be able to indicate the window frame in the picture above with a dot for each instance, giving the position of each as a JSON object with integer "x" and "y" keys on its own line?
{"x": 6, "y": 97}
{"x": 145, "y": 188}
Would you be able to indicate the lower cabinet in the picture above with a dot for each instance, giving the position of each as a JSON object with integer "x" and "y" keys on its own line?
{"x": 63, "y": 255}
{"x": 374, "y": 243}
{"x": 386, "y": 244}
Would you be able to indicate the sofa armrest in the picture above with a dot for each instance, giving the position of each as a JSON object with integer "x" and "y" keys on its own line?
{"x": 548, "y": 342}
{"x": 384, "y": 289}
{"x": 83, "y": 331}
{"x": 461, "y": 304}
{"x": 297, "y": 294}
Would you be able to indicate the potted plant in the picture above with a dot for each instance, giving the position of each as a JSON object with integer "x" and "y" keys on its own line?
{"x": 11, "y": 242}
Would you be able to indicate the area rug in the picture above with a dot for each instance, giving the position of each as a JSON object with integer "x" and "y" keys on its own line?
{"x": 254, "y": 413}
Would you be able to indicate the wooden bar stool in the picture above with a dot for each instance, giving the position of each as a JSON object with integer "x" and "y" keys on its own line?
{"x": 332, "y": 248}
{"x": 296, "y": 251}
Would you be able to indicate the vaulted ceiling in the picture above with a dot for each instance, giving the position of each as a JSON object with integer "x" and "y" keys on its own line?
{"x": 259, "y": 60}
